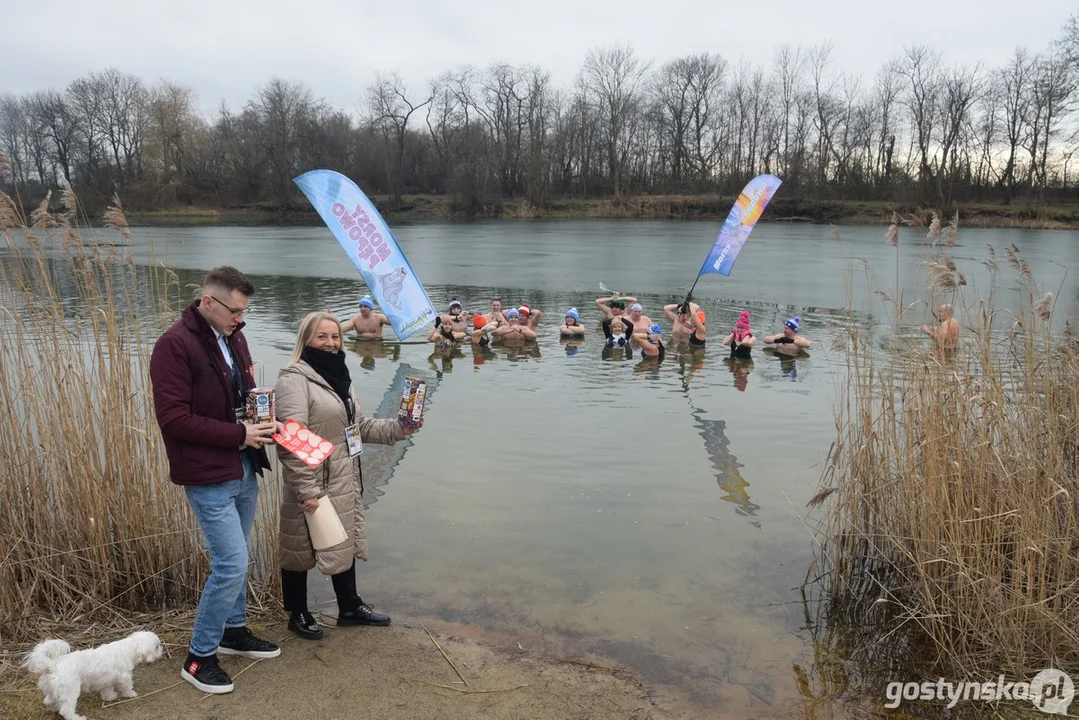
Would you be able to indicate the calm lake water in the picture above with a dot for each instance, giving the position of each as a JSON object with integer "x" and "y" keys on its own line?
{"x": 594, "y": 507}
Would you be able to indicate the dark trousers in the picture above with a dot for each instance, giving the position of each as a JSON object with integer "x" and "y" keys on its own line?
{"x": 294, "y": 589}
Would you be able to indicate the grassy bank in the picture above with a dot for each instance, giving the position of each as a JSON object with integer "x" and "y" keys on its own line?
{"x": 426, "y": 208}
{"x": 950, "y": 547}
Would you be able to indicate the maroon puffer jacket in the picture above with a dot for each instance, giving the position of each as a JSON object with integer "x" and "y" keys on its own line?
{"x": 194, "y": 402}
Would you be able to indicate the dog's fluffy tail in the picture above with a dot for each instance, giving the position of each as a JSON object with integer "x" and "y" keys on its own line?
{"x": 44, "y": 656}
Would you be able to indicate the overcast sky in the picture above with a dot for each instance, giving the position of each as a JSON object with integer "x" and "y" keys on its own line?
{"x": 224, "y": 49}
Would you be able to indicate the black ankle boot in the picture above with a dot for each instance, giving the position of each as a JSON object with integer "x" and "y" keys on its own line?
{"x": 305, "y": 625}
{"x": 360, "y": 613}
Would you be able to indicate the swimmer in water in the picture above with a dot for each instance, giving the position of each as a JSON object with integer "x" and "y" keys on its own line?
{"x": 682, "y": 325}
{"x": 614, "y": 305}
{"x": 529, "y": 316}
{"x": 451, "y": 327}
{"x": 691, "y": 323}
{"x": 789, "y": 342}
{"x": 368, "y": 323}
{"x": 495, "y": 315}
{"x": 513, "y": 331}
{"x": 617, "y": 330}
{"x": 741, "y": 339}
{"x": 651, "y": 342}
{"x": 481, "y": 329}
{"x": 947, "y": 335}
{"x": 640, "y": 321}
{"x": 572, "y": 326}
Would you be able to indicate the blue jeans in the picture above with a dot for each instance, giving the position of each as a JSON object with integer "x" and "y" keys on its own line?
{"x": 225, "y": 513}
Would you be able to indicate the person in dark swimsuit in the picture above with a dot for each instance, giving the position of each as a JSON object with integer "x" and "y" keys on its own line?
{"x": 741, "y": 339}
{"x": 618, "y": 331}
{"x": 651, "y": 342}
{"x": 689, "y": 319}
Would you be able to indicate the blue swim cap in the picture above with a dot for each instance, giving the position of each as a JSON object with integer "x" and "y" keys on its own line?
{"x": 365, "y": 301}
{"x": 512, "y": 312}
{"x": 655, "y": 329}
{"x": 793, "y": 323}
{"x": 572, "y": 313}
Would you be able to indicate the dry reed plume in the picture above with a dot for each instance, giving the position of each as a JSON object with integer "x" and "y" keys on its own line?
{"x": 91, "y": 529}
{"x": 934, "y": 228}
{"x": 951, "y": 539}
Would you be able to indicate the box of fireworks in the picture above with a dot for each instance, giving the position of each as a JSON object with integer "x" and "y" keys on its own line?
{"x": 303, "y": 443}
{"x": 260, "y": 405}
{"x": 412, "y": 402}
{"x": 324, "y": 526}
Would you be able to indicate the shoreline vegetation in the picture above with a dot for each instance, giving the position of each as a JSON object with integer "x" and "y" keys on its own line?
{"x": 948, "y": 539}
{"x": 714, "y": 207}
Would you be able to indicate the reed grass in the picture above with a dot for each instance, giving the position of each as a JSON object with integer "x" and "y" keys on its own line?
{"x": 950, "y": 540}
{"x": 92, "y": 531}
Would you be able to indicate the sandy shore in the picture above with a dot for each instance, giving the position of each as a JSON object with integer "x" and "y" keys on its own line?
{"x": 394, "y": 672}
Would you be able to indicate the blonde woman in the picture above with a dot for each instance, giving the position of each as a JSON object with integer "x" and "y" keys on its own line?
{"x": 315, "y": 389}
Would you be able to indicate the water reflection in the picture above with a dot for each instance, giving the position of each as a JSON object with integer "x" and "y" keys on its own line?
{"x": 728, "y": 469}
{"x": 740, "y": 368}
{"x": 441, "y": 359}
{"x": 482, "y": 354}
{"x": 369, "y": 350}
{"x": 617, "y": 354}
{"x": 381, "y": 461}
{"x": 571, "y": 345}
{"x": 649, "y": 366}
{"x": 690, "y": 362}
{"x": 517, "y": 350}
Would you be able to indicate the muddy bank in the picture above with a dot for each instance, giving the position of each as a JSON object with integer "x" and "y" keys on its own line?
{"x": 395, "y": 672}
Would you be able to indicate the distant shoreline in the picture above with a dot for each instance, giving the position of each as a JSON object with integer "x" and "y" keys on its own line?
{"x": 440, "y": 208}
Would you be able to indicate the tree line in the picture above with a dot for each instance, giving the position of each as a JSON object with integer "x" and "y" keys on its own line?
{"x": 920, "y": 131}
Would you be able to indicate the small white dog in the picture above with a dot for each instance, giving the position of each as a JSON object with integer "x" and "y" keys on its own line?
{"x": 63, "y": 675}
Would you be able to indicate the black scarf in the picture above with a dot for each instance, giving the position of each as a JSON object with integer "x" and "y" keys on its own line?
{"x": 331, "y": 367}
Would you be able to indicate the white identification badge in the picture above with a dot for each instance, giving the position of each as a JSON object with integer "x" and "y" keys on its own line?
{"x": 352, "y": 437}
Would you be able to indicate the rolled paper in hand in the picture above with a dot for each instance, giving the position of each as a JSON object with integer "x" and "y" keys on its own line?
{"x": 324, "y": 526}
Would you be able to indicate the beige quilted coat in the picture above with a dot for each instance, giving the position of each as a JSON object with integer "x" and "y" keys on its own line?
{"x": 301, "y": 394}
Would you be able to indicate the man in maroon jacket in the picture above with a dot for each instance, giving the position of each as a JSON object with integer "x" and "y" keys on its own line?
{"x": 201, "y": 371}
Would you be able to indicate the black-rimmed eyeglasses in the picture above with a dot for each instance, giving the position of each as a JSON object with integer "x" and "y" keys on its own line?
{"x": 235, "y": 312}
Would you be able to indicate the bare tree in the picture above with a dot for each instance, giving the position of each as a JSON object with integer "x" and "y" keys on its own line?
{"x": 283, "y": 110}
{"x": 61, "y": 126}
{"x": 15, "y": 139}
{"x": 444, "y": 117}
{"x": 827, "y": 108}
{"x": 391, "y": 110}
{"x": 671, "y": 90}
{"x": 1053, "y": 90}
{"x": 85, "y": 97}
{"x": 171, "y": 126}
{"x": 1014, "y": 82}
{"x": 920, "y": 67}
{"x": 959, "y": 91}
{"x": 789, "y": 64}
{"x": 612, "y": 76}
{"x": 125, "y": 118}
{"x": 886, "y": 92}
